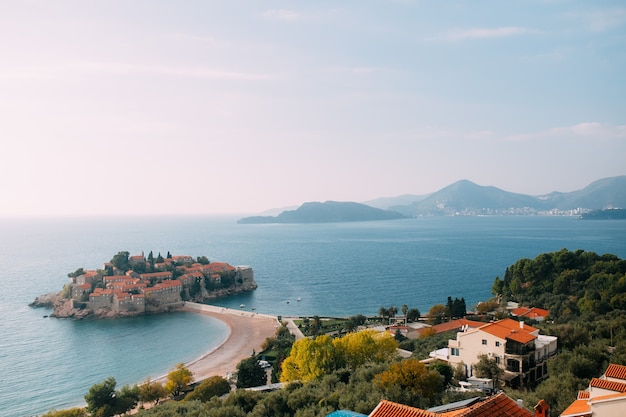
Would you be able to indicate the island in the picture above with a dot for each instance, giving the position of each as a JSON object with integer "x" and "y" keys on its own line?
{"x": 327, "y": 212}
{"x": 138, "y": 285}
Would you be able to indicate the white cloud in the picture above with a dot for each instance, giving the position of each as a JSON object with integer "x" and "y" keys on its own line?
{"x": 483, "y": 33}
{"x": 601, "y": 20}
{"x": 282, "y": 14}
{"x": 591, "y": 130}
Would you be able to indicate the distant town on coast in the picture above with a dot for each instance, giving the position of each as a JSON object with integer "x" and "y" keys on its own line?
{"x": 135, "y": 285}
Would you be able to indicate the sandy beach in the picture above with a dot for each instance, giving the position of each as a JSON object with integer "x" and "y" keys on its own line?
{"x": 248, "y": 331}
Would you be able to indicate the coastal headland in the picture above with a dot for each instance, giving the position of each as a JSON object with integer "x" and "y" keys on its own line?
{"x": 247, "y": 332}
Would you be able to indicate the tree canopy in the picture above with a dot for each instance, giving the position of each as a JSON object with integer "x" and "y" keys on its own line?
{"x": 313, "y": 358}
{"x": 104, "y": 401}
{"x": 178, "y": 380}
{"x": 572, "y": 283}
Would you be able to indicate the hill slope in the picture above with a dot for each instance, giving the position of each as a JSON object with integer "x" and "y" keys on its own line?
{"x": 329, "y": 211}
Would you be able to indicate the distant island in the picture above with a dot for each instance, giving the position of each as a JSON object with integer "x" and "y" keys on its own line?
{"x": 138, "y": 285}
{"x": 327, "y": 212}
{"x": 608, "y": 214}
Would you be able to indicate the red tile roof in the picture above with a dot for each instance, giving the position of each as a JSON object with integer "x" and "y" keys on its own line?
{"x": 531, "y": 313}
{"x": 616, "y": 371}
{"x": 577, "y": 408}
{"x": 510, "y": 329}
{"x": 390, "y": 409}
{"x": 582, "y": 395}
{"x": 608, "y": 385}
{"x": 455, "y": 324}
{"x": 496, "y": 406}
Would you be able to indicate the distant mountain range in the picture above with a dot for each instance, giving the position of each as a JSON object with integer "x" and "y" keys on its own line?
{"x": 460, "y": 198}
{"x": 467, "y": 198}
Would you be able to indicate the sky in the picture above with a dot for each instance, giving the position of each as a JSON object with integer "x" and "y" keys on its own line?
{"x": 153, "y": 107}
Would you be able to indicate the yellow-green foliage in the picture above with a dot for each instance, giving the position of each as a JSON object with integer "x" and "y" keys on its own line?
{"x": 313, "y": 358}
{"x": 179, "y": 379}
{"x": 410, "y": 382}
{"x": 72, "y": 412}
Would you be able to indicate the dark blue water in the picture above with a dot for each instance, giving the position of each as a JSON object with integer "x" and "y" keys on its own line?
{"x": 336, "y": 269}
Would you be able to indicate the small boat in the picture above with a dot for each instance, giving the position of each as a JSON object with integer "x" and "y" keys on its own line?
{"x": 287, "y": 301}
{"x": 253, "y": 308}
{"x": 45, "y": 317}
{"x": 298, "y": 299}
{"x": 242, "y": 305}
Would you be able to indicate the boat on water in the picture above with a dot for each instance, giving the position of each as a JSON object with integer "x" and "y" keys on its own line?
{"x": 242, "y": 305}
{"x": 298, "y": 299}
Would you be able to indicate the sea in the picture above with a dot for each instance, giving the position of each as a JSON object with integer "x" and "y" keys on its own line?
{"x": 329, "y": 269}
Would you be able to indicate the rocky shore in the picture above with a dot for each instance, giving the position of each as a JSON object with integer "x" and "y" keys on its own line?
{"x": 72, "y": 309}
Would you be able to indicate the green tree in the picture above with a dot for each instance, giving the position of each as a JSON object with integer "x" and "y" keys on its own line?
{"x": 126, "y": 399}
{"x": 496, "y": 288}
{"x": 444, "y": 370}
{"x": 178, "y": 380}
{"x": 437, "y": 314}
{"x": 152, "y": 391}
{"x": 203, "y": 260}
{"x": 101, "y": 398}
{"x": 214, "y": 386}
{"x": 78, "y": 272}
{"x": 413, "y": 315}
{"x": 488, "y": 368}
{"x": 250, "y": 373}
{"x": 120, "y": 261}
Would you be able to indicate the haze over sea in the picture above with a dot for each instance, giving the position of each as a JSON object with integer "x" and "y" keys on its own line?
{"x": 337, "y": 269}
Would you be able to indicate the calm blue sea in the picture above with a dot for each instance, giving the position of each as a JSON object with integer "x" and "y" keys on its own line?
{"x": 336, "y": 269}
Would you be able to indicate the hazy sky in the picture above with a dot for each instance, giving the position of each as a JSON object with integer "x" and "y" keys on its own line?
{"x": 163, "y": 107}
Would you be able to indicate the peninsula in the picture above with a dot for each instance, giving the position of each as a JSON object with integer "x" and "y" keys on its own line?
{"x": 137, "y": 285}
{"x": 327, "y": 212}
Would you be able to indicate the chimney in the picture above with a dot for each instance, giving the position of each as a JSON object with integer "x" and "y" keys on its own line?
{"x": 521, "y": 324}
{"x": 541, "y": 409}
{"x": 520, "y": 403}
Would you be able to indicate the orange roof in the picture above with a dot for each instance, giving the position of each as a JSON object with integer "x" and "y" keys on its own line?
{"x": 170, "y": 283}
{"x": 616, "y": 371}
{"x": 455, "y": 324}
{"x": 85, "y": 286}
{"x": 390, "y": 409}
{"x": 577, "y": 408}
{"x": 582, "y": 395}
{"x": 531, "y": 313}
{"x": 496, "y": 406}
{"x": 510, "y": 329}
{"x": 608, "y": 385}
{"x": 156, "y": 275}
{"x": 609, "y": 397}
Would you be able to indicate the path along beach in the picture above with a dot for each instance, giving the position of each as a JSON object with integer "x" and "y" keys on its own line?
{"x": 247, "y": 332}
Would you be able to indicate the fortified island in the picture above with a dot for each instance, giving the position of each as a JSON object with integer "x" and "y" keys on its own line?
{"x": 137, "y": 285}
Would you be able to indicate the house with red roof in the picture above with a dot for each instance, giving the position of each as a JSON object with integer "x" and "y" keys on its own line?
{"x": 532, "y": 313}
{"x": 495, "y": 406}
{"x": 516, "y": 347}
{"x": 605, "y": 396}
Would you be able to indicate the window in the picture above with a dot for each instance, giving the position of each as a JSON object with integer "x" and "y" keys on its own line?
{"x": 454, "y": 351}
{"x": 497, "y": 359}
{"x": 484, "y": 341}
{"x": 497, "y": 343}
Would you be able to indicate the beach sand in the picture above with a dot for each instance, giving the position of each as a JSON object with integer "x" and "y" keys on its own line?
{"x": 248, "y": 331}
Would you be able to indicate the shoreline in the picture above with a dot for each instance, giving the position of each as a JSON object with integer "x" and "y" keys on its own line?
{"x": 246, "y": 333}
